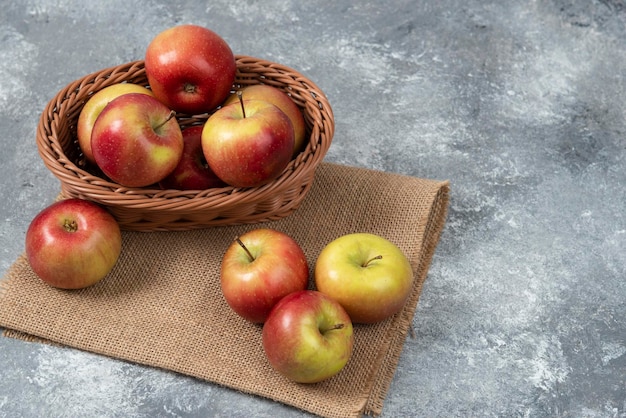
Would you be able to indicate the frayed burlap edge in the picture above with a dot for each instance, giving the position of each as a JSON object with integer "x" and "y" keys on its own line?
{"x": 377, "y": 391}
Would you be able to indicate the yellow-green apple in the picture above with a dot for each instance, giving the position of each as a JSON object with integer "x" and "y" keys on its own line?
{"x": 308, "y": 337}
{"x": 248, "y": 144}
{"x": 190, "y": 68}
{"x": 73, "y": 243}
{"x": 192, "y": 171}
{"x": 136, "y": 140}
{"x": 367, "y": 274}
{"x": 278, "y": 98}
{"x": 89, "y": 113}
{"x": 258, "y": 269}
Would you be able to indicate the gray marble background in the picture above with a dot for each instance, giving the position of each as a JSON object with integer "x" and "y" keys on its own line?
{"x": 520, "y": 104}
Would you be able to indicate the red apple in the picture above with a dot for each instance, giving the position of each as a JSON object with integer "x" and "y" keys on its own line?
{"x": 367, "y": 274}
{"x": 89, "y": 113}
{"x": 308, "y": 337}
{"x": 192, "y": 171}
{"x": 136, "y": 140}
{"x": 280, "y": 99}
{"x": 258, "y": 269}
{"x": 190, "y": 68}
{"x": 248, "y": 144}
{"x": 73, "y": 243}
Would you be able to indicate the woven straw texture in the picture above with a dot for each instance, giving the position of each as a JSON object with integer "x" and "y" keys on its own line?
{"x": 162, "y": 304}
{"x": 152, "y": 209}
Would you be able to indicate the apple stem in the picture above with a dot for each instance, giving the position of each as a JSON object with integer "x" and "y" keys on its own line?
{"x": 378, "y": 257}
{"x": 245, "y": 248}
{"x": 170, "y": 116}
{"x": 332, "y": 328}
{"x": 70, "y": 225}
{"x": 240, "y": 96}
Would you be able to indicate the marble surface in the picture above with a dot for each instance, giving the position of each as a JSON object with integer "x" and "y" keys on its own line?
{"x": 520, "y": 104}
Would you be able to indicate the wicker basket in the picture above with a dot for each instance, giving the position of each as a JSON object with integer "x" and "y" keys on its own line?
{"x": 152, "y": 209}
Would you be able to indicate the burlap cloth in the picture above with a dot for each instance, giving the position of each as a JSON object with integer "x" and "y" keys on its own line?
{"x": 162, "y": 305}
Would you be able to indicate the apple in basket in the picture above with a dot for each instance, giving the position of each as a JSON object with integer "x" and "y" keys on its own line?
{"x": 258, "y": 269}
{"x": 308, "y": 337}
{"x": 278, "y": 98}
{"x": 136, "y": 140}
{"x": 367, "y": 274}
{"x": 192, "y": 171}
{"x": 248, "y": 144}
{"x": 73, "y": 243}
{"x": 190, "y": 68}
{"x": 89, "y": 113}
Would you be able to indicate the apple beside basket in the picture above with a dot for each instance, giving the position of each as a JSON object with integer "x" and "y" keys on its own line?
{"x": 153, "y": 209}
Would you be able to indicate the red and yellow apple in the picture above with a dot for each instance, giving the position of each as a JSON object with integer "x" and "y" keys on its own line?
{"x": 190, "y": 68}
{"x": 258, "y": 269}
{"x": 192, "y": 171}
{"x": 136, "y": 140}
{"x": 308, "y": 337}
{"x": 367, "y": 274}
{"x": 248, "y": 144}
{"x": 280, "y": 99}
{"x": 89, "y": 113}
{"x": 73, "y": 243}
